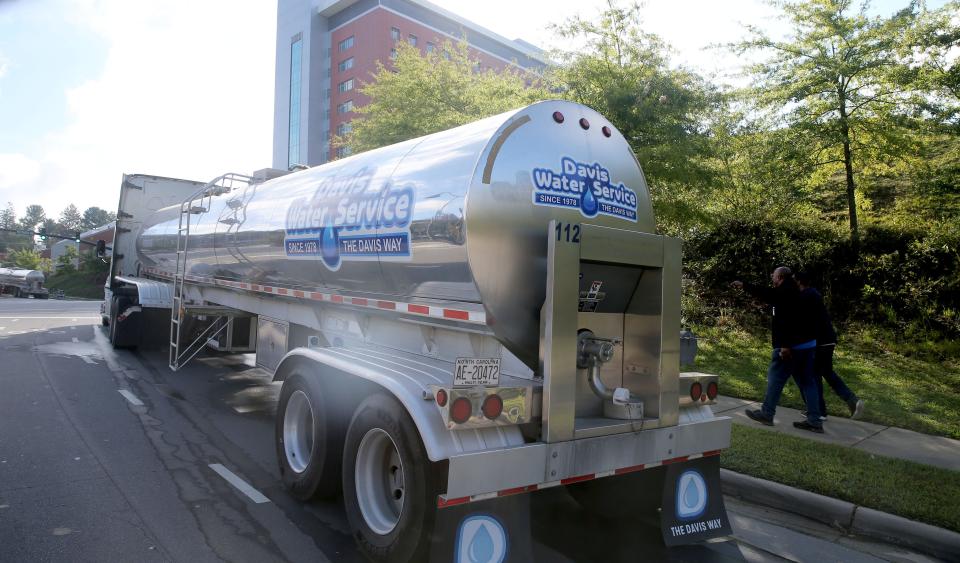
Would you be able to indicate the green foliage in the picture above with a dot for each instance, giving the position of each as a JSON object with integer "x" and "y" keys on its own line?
{"x": 846, "y": 473}
{"x": 27, "y": 258}
{"x": 426, "y": 93}
{"x": 95, "y": 217}
{"x": 835, "y": 83}
{"x": 70, "y": 219}
{"x": 33, "y": 217}
{"x": 67, "y": 262}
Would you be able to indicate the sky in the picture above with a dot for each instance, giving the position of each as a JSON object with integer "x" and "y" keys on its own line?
{"x": 93, "y": 89}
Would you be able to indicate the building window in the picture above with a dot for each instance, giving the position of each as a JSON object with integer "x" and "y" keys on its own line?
{"x": 345, "y": 107}
{"x": 346, "y": 44}
{"x": 345, "y": 64}
{"x": 344, "y": 128}
{"x": 346, "y": 85}
{"x": 394, "y": 34}
{"x": 393, "y": 54}
{"x": 430, "y": 47}
{"x": 293, "y": 141}
{"x": 412, "y": 39}
{"x": 343, "y": 151}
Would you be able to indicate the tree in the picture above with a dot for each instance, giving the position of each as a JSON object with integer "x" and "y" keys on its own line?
{"x": 834, "y": 81}
{"x": 428, "y": 92}
{"x": 8, "y": 217}
{"x": 32, "y": 217}
{"x": 936, "y": 68}
{"x": 664, "y": 113}
{"x": 70, "y": 219}
{"x": 27, "y": 258}
{"x": 95, "y": 217}
{"x": 67, "y": 262}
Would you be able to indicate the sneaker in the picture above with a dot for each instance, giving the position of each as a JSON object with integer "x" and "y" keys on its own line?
{"x": 823, "y": 417}
{"x": 758, "y": 416}
{"x": 856, "y": 408}
{"x": 804, "y": 425}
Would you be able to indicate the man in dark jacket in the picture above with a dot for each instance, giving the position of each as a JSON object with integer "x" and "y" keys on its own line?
{"x": 794, "y": 343}
{"x": 823, "y": 358}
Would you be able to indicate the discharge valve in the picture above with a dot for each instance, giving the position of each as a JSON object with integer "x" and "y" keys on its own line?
{"x": 594, "y": 351}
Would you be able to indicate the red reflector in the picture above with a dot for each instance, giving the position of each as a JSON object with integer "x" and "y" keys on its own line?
{"x": 696, "y": 390}
{"x": 442, "y": 398}
{"x": 492, "y": 406}
{"x": 460, "y": 410}
{"x": 606, "y": 131}
{"x": 558, "y": 117}
{"x": 712, "y": 390}
{"x": 584, "y": 123}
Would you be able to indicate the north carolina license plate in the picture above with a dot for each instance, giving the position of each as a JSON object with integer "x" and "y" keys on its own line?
{"x": 472, "y": 372}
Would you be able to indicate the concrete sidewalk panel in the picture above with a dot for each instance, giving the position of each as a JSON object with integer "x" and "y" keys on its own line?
{"x": 896, "y": 529}
{"x": 831, "y": 511}
{"x": 725, "y": 404}
{"x": 914, "y": 446}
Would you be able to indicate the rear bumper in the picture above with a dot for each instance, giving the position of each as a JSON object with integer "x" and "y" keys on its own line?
{"x": 488, "y": 474}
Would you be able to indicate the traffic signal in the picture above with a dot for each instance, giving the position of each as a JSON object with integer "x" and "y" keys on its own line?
{"x": 43, "y": 233}
{"x": 76, "y": 236}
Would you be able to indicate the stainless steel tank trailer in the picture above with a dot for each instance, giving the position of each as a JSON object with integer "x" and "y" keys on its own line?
{"x": 23, "y": 283}
{"x": 456, "y": 319}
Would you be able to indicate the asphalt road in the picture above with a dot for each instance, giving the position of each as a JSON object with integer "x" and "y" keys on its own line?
{"x": 108, "y": 456}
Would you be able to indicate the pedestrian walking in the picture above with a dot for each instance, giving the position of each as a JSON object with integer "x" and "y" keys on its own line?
{"x": 823, "y": 357}
{"x": 794, "y": 344}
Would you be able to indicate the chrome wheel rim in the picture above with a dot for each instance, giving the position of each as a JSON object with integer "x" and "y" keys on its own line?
{"x": 298, "y": 431}
{"x": 379, "y": 479}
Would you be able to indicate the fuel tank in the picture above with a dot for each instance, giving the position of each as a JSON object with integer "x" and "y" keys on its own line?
{"x": 456, "y": 216}
{"x": 29, "y": 277}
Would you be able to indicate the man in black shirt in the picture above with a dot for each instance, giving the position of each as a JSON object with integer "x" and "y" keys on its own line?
{"x": 794, "y": 343}
{"x": 823, "y": 358}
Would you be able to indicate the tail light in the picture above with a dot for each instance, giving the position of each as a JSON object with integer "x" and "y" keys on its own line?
{"x": 461, "y": 410}
{"x": 492, "y": 406}
{"x": 584, "y": 123}
{"x": 441, "y": 397}
{"x": 712, "y": 390}
{"x": 558, "y": 117}
{"x": 696, "y": 390}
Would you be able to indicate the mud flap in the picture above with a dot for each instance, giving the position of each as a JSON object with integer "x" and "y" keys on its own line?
{"x": 692, "y": 508}
{"x": 495, "y": 530}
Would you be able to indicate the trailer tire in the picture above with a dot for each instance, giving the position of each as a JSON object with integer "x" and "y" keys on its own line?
{"x": 390, "y": 512}
{"x": 118, "y": 304}
{"x": 308, "y": 426}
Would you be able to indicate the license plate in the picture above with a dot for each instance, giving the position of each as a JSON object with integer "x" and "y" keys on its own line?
{"x": 472, "y": 372}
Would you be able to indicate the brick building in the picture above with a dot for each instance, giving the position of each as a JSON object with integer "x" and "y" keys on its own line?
{"x": 327, "y": 48}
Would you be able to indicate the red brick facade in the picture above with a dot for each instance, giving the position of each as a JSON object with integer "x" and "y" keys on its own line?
{"x": 372, "y": 42}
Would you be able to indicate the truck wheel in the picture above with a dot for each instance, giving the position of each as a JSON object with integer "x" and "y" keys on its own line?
{"x": 130, "y": 335}
{"x": 390, "y": 487}
{"x": 309, "y": 437}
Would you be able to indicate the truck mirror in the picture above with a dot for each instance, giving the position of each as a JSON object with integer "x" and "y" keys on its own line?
{"x": 101, "y": 248}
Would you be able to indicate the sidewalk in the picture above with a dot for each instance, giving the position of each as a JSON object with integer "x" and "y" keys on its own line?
{"x": 881, "y": 440}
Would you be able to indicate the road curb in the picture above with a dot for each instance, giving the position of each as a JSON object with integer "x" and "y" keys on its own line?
{"x": 844, "y": 515}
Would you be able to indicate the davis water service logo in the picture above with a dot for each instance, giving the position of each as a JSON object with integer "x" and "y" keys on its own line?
{"x": 481, "y": 539}
{"x": 691, "y": 494}
{"x": 587, "y": 187}
{"x": 348, "y": 220}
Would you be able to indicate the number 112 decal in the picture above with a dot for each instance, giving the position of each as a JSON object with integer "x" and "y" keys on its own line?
{"x": 568, "y": 233}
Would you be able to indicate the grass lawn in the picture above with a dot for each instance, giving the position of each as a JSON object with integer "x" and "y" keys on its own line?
{"x": 908, "y": 489}
{"x": 899, "y": 390}
{"x": 76, "y": 284}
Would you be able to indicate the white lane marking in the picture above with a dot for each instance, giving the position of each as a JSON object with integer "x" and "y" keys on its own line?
{"x": 73, "y": 327}
{"x": 75, "y": 339}
{"x": 15, "y": 319}
{"x": 88, "y": 360}
{"x": 241, "y": 485}
{"x": 131, "y": 398}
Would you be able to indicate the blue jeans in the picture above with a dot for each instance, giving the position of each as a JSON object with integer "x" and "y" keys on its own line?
{"x": 823, "y": 368}
{"x": 800, "y": 366}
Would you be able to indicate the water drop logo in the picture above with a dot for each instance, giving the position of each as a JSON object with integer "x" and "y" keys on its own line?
{"x": 691, "y": 494}
{"x": 588, "y": 203}
{"x": 481, "y": 539}
{"x": 330, "y": 247}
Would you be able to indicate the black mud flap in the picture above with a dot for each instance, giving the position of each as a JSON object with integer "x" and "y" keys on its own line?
{"x": 692, "y": 509}
{"x": 496, "y": 530}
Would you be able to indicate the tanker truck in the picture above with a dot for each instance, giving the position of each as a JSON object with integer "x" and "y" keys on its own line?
{"x": 457, "y": 320}
{"x": 23, "y": 283}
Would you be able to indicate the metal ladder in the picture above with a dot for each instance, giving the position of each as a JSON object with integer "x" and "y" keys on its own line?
{"x": 196, "y": 204}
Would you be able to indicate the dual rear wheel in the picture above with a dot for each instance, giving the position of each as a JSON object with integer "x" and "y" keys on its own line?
{"x": 374, "y": 455}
